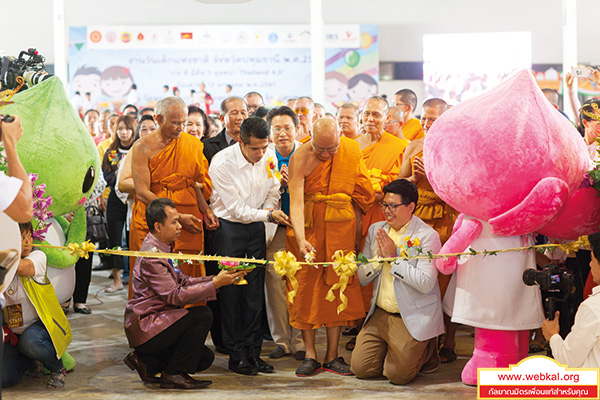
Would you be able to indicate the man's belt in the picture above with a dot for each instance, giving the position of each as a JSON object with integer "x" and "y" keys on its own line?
{"x": 338, "y": 209}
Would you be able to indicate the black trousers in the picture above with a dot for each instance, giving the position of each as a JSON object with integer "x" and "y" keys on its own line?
{"x": 83, "y": 276}
{"x": 242, "y": 305}
{"x": 116, "y": 215}
{"x": 180, "y": 348}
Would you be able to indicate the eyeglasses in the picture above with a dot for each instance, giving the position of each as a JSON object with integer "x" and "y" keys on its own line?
{"x": 286, "y": 129}
{"x": 302, "y": 110}
{"x": 318, "y": 149}
{"x": 392, "y": 207}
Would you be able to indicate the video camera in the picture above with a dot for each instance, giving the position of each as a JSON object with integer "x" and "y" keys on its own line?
{"x": 554, "y": 282}
{"x": 29, "y": 65}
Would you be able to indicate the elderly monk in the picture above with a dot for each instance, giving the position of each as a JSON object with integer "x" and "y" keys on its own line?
{"x": 406, "y": 100}
{"x": 330, "y": 189}
{"x": 431, "y": 208}
{"x": 169, "y": 163}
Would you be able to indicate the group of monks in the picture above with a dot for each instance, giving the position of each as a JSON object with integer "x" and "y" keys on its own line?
{"x": 335, "y": 183}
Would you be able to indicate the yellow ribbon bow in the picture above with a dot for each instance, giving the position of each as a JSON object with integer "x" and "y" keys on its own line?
{"x": 574, "y": 246}
{"x": 287, "y": 265}
{"x": 272, "y": 169}
{"x": 344, "y": 266}
{"x": 82, "y": 250}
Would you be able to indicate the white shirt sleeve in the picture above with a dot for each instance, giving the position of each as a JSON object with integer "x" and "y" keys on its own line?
{"x": 579, "y": 344}
{"x": 39, "y": 260}
{"x": 9, "y": 189}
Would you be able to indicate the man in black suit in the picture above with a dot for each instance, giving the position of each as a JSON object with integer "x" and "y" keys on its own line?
{"x": 233, "y": 112}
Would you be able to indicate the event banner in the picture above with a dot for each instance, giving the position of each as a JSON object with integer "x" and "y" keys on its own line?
{"x": 220, "y": 60}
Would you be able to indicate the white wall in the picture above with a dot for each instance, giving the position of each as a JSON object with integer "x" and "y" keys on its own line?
{"x": 402, "y": 23}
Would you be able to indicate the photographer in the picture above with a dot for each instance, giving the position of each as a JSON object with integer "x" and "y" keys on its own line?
{"x": 581, "y": 347}
{"x": 16, "y": 197}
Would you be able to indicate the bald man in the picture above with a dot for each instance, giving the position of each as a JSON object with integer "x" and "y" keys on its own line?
{"x": 395, "y": 122}
{"x": 430, "y": 207}
{"x": 347, "y": 118}
{"x": 406, "y": 100}
{"x": 304, "y": 107}
{"x": 330, "y": 190}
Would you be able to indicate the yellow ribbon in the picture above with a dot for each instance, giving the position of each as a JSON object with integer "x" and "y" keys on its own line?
{"x": 344, "y": 266}
{"x": 575, "y": 245}
{"x": 82, "y": 250}
{"x": 339, "y": 207}
{"x": 379, "y": 179}
{"x": 273, "y": 172}
{"x": 287, "y": 265}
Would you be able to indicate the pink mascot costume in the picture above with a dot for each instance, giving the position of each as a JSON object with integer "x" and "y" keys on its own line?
{"x": 512, "y": 165}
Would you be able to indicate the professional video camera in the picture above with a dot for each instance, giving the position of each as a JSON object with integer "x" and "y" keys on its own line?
{"x": 555, "y": 283}
{"x": 29, "y": 65}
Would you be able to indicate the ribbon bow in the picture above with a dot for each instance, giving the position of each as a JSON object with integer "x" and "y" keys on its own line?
{"x": 287, "y": 265}
{"x": 344, "y": 266}
{"x": 82, "y": 250}
{"x": 574, "y": 246}
{"x": 272, "y": 169}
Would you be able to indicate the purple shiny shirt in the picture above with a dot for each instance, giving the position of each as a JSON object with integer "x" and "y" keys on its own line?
{"x": 159, "y": 294}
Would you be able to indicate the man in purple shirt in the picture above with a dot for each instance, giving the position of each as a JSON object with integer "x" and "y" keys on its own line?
{"x": 167, "y": 337}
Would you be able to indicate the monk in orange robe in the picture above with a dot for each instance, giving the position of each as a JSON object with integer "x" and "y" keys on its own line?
{"x": 431, "y": 208}
{"x": 304, "y": 107}
{"x": 406, "y": 100}
{"x": 169, "y": 163}
{"x": 330, "y": 189}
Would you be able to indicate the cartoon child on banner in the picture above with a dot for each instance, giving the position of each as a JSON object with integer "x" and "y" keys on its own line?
{"x": 86, "y": 80}
{"x": 116, "y": 83}
{"x": 512, "y": 165}
{"x": 361, "y": 87}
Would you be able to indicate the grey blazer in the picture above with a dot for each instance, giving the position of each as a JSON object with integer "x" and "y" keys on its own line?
{"x": 415, "y": 281}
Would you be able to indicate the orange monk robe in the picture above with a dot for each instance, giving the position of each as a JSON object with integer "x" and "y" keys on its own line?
{"x": 437, "y": 214}
{"x": 305, "y": 139}
{"x": 383, "y": 160}
{"x": 346, "y": 177}
{"x": 173, "y": 174}
{"x": 412, "y": 130}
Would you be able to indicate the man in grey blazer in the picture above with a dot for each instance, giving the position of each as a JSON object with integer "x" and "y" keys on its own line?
{"x": 399, "y": 337}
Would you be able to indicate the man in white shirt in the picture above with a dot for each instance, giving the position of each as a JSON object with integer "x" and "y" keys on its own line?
{"x": 581, "y": 347}
{"x": 245, "y": 195}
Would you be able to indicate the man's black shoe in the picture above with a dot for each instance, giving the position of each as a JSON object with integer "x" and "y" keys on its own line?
{"x": 262, "y": 366}
{"x": 309, "y": 367}
{"x": 134, "y": 363}
{"x": 181, "y": 381}
{"x": 243, "y": 367}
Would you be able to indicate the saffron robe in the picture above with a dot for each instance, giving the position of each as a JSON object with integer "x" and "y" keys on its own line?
{"x": 413, "y": 130}
{"x": 328, "y": 195}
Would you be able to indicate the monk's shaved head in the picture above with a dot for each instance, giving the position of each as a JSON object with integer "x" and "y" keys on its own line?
{"x": 325, "y": 138}
{"x": 396, "y": 114}
{"x": 436, "y": 102}
{"x": 163, "y": 105}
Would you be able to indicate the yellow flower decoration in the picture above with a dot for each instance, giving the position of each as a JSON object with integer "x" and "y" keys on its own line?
{"x": 344, "y": 266}
{"x": 272, "y": 169}
{"x": 287, "y": 265}
{"x": 82, "y": 250}
{"x": 575, "y": 245}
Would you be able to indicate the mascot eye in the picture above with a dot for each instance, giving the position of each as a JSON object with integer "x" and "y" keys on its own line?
{"x": 88, "y": 181}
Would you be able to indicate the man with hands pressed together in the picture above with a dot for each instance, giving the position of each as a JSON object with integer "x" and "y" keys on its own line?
{"x": 399, "y": 337}
{"x": 167, "y": 337}
{"x": 581, "y": 347}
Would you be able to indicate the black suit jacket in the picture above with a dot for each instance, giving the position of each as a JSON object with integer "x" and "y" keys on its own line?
{"x": 214, "y": 144}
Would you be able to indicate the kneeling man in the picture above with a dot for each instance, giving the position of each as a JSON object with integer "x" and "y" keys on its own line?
{"x": 399, "y": 337}
{"x": 166, "y": 337}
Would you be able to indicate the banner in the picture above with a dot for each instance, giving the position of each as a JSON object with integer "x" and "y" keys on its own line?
{"x": 273, "y": 60}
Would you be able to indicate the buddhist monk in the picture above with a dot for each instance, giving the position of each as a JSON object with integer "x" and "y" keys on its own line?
{"x": 169, "y": 163}
{"x": 431, "y": 208}
{"x": 304, "y": 107}
{"x": 330, "y": 189}
{"x": 406, "y": 100}
{"x": 347, "y": 118}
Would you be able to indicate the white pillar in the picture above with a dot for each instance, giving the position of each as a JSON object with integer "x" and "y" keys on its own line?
{"x": 317, "y": 51}
{"x": 569, "y": 47}
{"x": 60, "y": 42}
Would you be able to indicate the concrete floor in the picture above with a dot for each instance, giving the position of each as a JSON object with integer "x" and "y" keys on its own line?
{"x": 99, "y": 346}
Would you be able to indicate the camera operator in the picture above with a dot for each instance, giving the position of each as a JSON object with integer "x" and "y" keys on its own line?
{"x": 581, "y": 347}
{"x": 15, "y": 196}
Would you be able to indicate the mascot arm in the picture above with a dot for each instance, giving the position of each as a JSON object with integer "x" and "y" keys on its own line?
{"x": 546, "y": 200}
{"x": 463, "y": 234}
{"x": 76, "y": 234}
{"x": 64, "y": 224}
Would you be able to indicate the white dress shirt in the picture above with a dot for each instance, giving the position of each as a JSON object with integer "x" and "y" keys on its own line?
{"x": 581, "y": 347}
{"x": 242, "y": 192}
